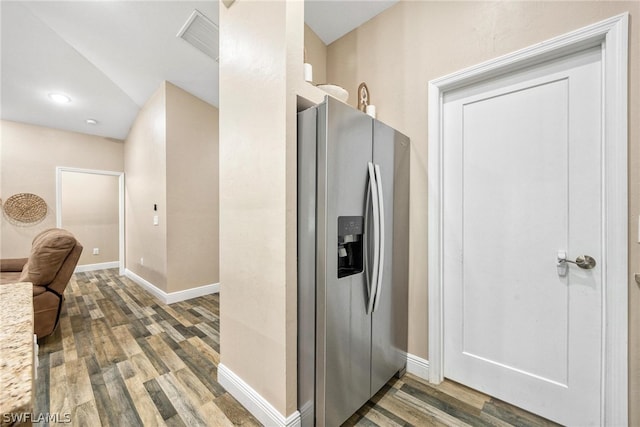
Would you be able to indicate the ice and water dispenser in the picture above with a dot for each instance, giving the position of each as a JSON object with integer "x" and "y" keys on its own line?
{"x": 350, "y": 237}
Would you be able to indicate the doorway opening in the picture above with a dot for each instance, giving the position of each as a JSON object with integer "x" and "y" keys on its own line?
{"x": 90, "y": 204}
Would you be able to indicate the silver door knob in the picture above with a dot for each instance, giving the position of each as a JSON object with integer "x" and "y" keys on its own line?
{"x": 583, "y": 261}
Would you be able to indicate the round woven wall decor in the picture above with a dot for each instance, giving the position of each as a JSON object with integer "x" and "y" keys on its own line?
{"x": 25, "y": 207}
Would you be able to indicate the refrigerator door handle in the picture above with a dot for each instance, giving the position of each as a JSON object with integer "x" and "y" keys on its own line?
{"x": 372, "y": 277}
{"x": 367, "y": 272}
{"x": 381, "y": 240}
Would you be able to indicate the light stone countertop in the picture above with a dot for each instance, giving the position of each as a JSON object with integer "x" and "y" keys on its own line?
{"x": 16, "y": 349}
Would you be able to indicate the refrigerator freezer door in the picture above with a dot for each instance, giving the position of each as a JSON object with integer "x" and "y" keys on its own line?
{"x": 389, "y": 322}
{"x": 343, "y": 328}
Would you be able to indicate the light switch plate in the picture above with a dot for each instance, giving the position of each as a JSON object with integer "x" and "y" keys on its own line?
{"x": 155, "y": 220}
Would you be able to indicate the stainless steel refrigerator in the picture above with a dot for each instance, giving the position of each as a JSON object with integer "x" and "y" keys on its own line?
{"x": 353, "y": 248}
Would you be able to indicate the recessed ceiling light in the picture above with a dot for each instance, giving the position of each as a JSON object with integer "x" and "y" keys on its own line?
{"x": 59, "y": 98}
{"x": 91, "y": 121}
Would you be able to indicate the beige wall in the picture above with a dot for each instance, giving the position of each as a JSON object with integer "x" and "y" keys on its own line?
{"x": 399, "y": 51}
{"x": 29, "y": 156}
{"x": 145, "y": 167}
{"x": 90, "y": 210}
{"x": 316, "y": 55}
{"x": 192, "y": 191}
{"x": 261, "y": 51}
{"x": 171, "y": 161}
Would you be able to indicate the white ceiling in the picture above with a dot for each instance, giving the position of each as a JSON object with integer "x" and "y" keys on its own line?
{"x": 110, "y": 56}
{"x": 332, "y": 19}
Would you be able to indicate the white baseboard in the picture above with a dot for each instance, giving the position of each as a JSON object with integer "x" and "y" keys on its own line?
{"x": 94, "y": 267}
{"x": 171, "y": 297}
{"x": 178, "y": 296}
{"x": 253, "y": 401}
{"x": 418, "y": 366}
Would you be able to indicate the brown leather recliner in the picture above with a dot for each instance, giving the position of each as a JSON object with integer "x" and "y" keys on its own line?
{"x": 54, "y": 256}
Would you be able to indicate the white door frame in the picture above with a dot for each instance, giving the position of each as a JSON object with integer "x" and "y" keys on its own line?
{"x": 120, "y": 176}
{"x": 612, "y": 35}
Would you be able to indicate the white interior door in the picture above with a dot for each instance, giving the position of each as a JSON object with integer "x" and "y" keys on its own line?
{"x": 522, "y": 183}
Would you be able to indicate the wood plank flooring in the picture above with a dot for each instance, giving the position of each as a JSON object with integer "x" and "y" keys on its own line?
{"x": 120, "y": 357}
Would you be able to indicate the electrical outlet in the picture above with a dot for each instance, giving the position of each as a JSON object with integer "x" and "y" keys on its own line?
{"x": 96, "y": 251}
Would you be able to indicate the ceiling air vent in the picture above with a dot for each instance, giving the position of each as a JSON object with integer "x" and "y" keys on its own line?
{"x": 201, "y": 33}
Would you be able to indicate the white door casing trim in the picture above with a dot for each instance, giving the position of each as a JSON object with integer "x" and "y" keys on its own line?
{"x": 120, "y": 176}
{"x": 612, "y": 35}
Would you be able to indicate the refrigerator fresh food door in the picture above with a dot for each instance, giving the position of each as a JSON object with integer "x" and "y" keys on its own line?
{"x": 389, "y": 323}
{"x": 343, "y": 328}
